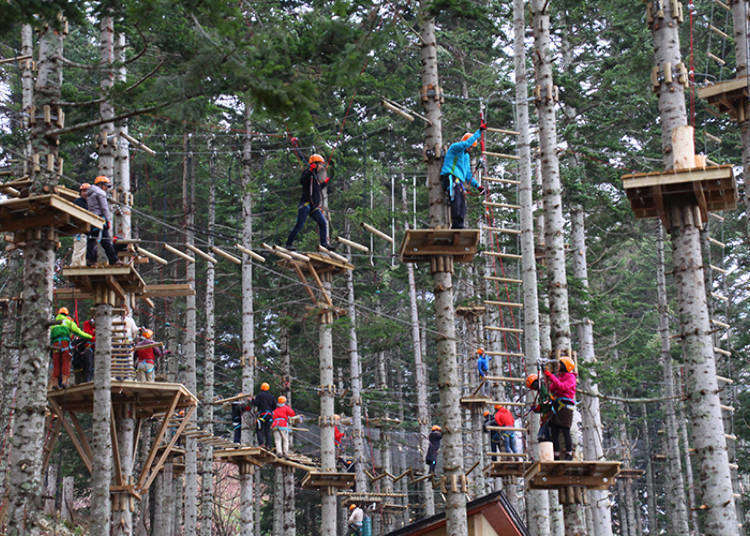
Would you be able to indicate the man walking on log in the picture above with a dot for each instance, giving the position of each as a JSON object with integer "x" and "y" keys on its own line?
{"x": 456, "y": 174}
{"x": 313, "y": 180}
{"x": 96, "y": 198}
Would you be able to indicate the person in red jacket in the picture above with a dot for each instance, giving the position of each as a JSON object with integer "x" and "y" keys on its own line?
{"x": 504, "y": 418}
{"x": 338, "y": 435}
{"x": 280, "y": 426}
{"x": 146, "y": 355}
{"x": 562, "y": 387}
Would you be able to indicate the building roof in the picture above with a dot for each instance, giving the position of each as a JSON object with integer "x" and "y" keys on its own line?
{"x": 495, "y": 507}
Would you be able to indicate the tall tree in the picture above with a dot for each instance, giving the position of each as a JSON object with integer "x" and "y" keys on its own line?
{"x": 740, "y": 9}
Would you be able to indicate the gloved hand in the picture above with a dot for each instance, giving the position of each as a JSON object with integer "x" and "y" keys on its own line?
{"x": 481, "y": 189}
{"x": 482, "y": 126}
{"x": 294, "y": 141}
{"x": 548, "y": 373}
{"x": 106, "y": 224}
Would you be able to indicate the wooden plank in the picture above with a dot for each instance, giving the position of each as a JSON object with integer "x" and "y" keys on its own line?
{"x": 501, "y": 181}
{"x": 115, "y": 448}
{"x": 353, "y": 244}
{"x": 504, "y": 304}
{"x": 305, "y": 284}
{"x": 503, "y": 330}
{"x": 503, "y": 279}
{"x": 501, "y": 155}
{"x": 201, "y": 253}
{"x": 503, "y": 131}
{"x": 500, "y": 205}
{"x": 152, "y": 256}
{"x": 81, "y": 435}
{"x": 169, "y": 290}
{"x": 500, "y": 254}
{"x": 676, "y": 176}
{"x": 168, "y": 448}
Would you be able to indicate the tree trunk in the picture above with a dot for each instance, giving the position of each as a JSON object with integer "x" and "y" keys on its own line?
{"x": 143, "y": 525}
{"x": 740, "y": 9}
{"x": 674, "y": 486}
{"x": 207, "y": 472}
{"x": 123, "y": 227}
{"x": 12, "y": 311}
{"x": 689, "y": 481}
{"x": 441, "y": 269}
{"x": 653, "y": 520}
{"x": 27, "y": 91}
{"x": 248, "y": 318}
{"x": 24, "y": 481}
{"x": 537, "y": 501}
{"x": 107, "y": 142}
{"x": 592, "y": 424}
{"x": 327, "y": 450}
{"x": 289, "y": 523}
{"x": 190, "y": 379}
{"x": 420, "y": 378}
{"x": 101, "y": 443}
{"x": 622, "y": 512}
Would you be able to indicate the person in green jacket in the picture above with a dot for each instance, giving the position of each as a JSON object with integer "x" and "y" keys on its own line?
{"x": 59, "y": 335}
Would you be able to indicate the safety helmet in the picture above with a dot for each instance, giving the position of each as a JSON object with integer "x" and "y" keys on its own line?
{"x": 530, "y": 379}
{"x": 435, "y": 427}
{"x": 101, "y": 179}
{"x": 315, "y": 158}
{"x": 281, "y": 400}
{"x": 498, "y": 406}
{"x": 480, "y": 351}
{"x": 485, "y": 413}
{"x": 467, "y": 136}
{"x": 352, "y": 506}
{"x": 63, "y": 311}
{"x": 568, "y": 363}
{"x": 264, "y": 386}
{"x": 147, "y": 333}
{"x": 85, "y": 186}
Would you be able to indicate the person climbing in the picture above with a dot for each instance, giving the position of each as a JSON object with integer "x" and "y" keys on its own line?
{"x": 504, "y": 418}
{"x": 313, "y": 180}
{"x": 456, "y": 174}
{"x": 146, "y": 350}
{"x": 562, "y": 387}
{"x": 432, "y": 451}
{"x": 356, "y": 518}
{"x": 238, "y": 408}
{"x": 338, "y": 435}
{"x": 265, "y": 404}
{"x": 59, "y": 335}
{"x": 96, "y": 199}
{"x": 280, "y": 426}
{"x": 543, "y": 406}
{"x": 482, "y": 369}
{"x": 79, "y": 240}
{"x": 495, "y": 437}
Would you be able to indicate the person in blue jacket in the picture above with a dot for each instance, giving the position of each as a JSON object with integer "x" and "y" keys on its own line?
{"x": 456, "y": 174}
{"x": 483, "y": 361}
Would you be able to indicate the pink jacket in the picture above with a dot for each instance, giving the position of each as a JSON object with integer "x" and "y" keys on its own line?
{"x": 563, "y": 385}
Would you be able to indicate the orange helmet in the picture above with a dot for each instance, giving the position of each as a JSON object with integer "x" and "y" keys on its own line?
{"x": 435, "y": 427}
{"x": 101, "y": 179}
{"x": 84, "y": 186}
{"x": 498, "y": 406}
{"x": 467, "y": 136}
{"x": 281, "y": 400}
{"x": 63, "y": 311}
{"x": 147, "y": 333}
{"x": 530, "y": 379}
{"x": 264, "y": 386}
{"x": 352, "y": 506}
{"x": 480, "y": 351}
{"x": 486, "y": 413}
{"x": 568, "y": 363}
{"x": 315, "y": 158}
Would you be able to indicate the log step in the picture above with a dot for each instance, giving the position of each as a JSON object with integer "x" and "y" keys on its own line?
{"x": 508, "y": 354}
{"x": 722, "y": 351}
{"x": 720, "y": 324}
{"x": 501, "y": 155}
{"x": 502, "y": 279}
{"x": 509, "y": 379}
{"x": 502, "y": 255}
{"x": 501, "y": 181}
{"x": 504, "y": 330}
{"x": 500, "y": 205}
{"x": 503, "y": 303}
{"x": 502, "y": 230}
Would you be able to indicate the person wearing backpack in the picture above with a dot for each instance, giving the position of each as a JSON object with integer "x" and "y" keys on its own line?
{"x": 265, "y": 404}
{"x": 456, "y": 174}
{"x": 59, "y": 335}
{"x": 312, "y": 180}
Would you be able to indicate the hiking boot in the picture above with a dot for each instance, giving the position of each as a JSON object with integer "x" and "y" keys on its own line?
{"x": 290, "y": 248}
{"x": 329, "y": 247}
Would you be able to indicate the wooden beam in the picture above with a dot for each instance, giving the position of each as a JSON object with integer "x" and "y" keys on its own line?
{"x": 504, "y": 330}
{"x": 304, "y": 282}
{"x": 353, "y": 244}
{"x": 250, "y": 253}
{"x": 81, "y": 435}
{"x": 502, "y": 279}
{"x": 168, "y": 448}
{"x": 503, "y": 131}
{"x": 137, "y": 143}
{"x": 396, "y": 110}
{"x": 151, "y": 256}
{"x": 72, "y": 434}
{"x": 240, "y": 396}
{"x": 277, "y": 252}
{"x": 502, "y": 155}
{"x": 500, "y": 205}
{"x": 323, "y": 290}
{"x": 293, "y": 254}
{"x": 157, "y": 439}
{"x": 115, "y": 448}
{"x": 169, "y": 290}
{"x": 178, "y": 252}
{"x": 503, "y": 303}
{"x": 112, "y": 282}
{"x": 200, "y": 253}
{"x": 508, "y": 379}
{"x": 15, "y": 58}
{"x": 501, "y": 181}
{"x": 332, "y": 254}
{"x": 373, "y": 230}
{"x": 227, "y": 256}
{"x": 502, "y": 255}
{"x": 502, "y": 230}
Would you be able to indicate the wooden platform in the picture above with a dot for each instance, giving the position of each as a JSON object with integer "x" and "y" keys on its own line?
{"x": 470, "y": 310}
{"x": 149, "y": 398}
{"x": 320, "y": 479}
{"x": 259, "y": 457}
{"x": 419, "y": 245}
{"x": 120, "y": 279}
{"x": 380, "y": 499}
{"x": 728, "y": 97}
{"x": 558, "y": 474}
{"x": 473, "y": 401}
{"x": 502, "y": 468}
{"x": 21, "y": 214}
{"x": 710, "y": 188}
{"x": 150, "y": 291}
{"x": 630, "y": 473}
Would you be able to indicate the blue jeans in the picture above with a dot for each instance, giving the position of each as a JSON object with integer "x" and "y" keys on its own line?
{"x": 303, "y": 211}
{"x": 509, "y": 444}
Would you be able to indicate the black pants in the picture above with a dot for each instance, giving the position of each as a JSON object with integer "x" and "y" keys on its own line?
{"x": 106, "y": 242}
{"x": 263, "y": 433}
{"x": 237, "y": 422}
{"x": 565, "y": 431}
{"x": 458, "y": 207}
{"x": 303, "y": 211}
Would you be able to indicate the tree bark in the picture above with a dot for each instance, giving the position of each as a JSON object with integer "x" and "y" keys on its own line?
{"x": 101, "y": 443}
{"x": 248, "y": 317}
{"x": 27, "y": 90}
{"x": 12, "y": 311}
{"x": 537, "y": 502}
{"x": 740, "y": 10}
{"x": 689, "y": 481}
{"x": 107, "y": 142}
{"x": 450, "y": 391}
{"x": 653, "y": 519}
{"x": 674, "y": 485}
{"x": 593, "y": 434}
{"x": 123, "y": 227}
{"x": 327, "y": 450}
{"x": 207, "y": 472}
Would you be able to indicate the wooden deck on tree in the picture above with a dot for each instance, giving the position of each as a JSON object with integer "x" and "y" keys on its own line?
{"x": 150, "y": 291}
{"x": 473, "y": 401}
{"x": 470, "y": 311}
{"x": 121, "y": 279}
{"x": 260, "y": 457}
{"x": 353, "y": 497}
{"x": 711, "y": 188}
{"x": 503, "y": 468}
{"x": 23, "y": 214}
{"x": 22, "y": 187}
{"x": 559, "y": 474}
{"x": 322, "y": 479}
{"x": 419, "y": 245}
{"x": 728, "y": 97}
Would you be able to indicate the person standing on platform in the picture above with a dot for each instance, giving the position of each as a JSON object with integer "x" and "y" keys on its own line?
{"x": 265, "y": 404}
{"x": 543, "y": 406}
{"x": 96, "y": 199}
{"x": 79, "y": 240}
{"x": 483, "y": 368}
{"x": 495, "y": 437}
{"x": 562, "y": 386}
{"x": 281, "y": 416}
{"x": 356, "y": 518}
{"x": 238, "y": 408}
{"x": 146, "y": 354}
{"x": 59, "y": 335}
{"x": 313, "y": 180}
{"x": 456, "y": 175}
{"x": 432, "y": 451}
{"x": 504, "y": 418}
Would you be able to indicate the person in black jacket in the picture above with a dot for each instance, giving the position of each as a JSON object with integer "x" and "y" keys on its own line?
{"x": 495, "y": 437}
{"x": 313, "y": 180}
{"x": 79, "y": 240}
{"x": 265, "y": 404}
{"x": 432, "y": 451}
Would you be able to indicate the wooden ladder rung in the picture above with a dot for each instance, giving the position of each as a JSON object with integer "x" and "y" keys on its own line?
{"x": 717, "y": 269}
{"x": 503, "y": 131}
{"x": 503, "y": 303}
{"x": 717, "y": 216}
{"x": 502, "y": 230}
{"x": 718, "y": 32}
{"x": 502, "y": 155}
{"x": 504, "y": 330}
{"x": 722, "y": 5}
{"x": 722, "y": 351}
{"x": 719, "y": 323}
{"x": 716, "y": 242}
{"x": 502, "y": 181}
{"x": 509, "y": 379}
{"x": 724, "y": 380}
{"x": 501, "y": 254}
{"x": 717, "y": 59}
{"x": 508, "y": 454}
{"x": 502, "y": 279}
{"x": 500, "y": 205}
{"x": 508, "y": 354}
{"x": 730, "y": 409}
{"x": 719, "y": 297}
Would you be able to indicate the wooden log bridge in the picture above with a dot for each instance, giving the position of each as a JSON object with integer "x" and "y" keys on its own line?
{"x": 562, "y": 474}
